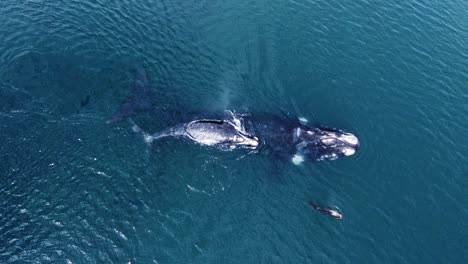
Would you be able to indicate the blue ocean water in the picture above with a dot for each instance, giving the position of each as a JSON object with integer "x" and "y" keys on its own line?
{"x": 74, "y": 189}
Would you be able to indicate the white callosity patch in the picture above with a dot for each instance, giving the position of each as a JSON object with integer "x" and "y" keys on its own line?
{"x": 344, "y": 143}
{"x": 328, "y": 141}
{"x": 349, "y": 138}
{"x": 323, "y": 144}
{"x": 297, "y": 159}
{"x": 332, "y": 156}
{"x": 348, "y": 151}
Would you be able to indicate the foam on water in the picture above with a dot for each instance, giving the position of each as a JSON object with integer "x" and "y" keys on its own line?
{"x": 297, "y": 159}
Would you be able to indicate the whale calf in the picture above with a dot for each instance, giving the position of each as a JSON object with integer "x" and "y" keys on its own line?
{"x": 285, "y": 137}
{"x": 222, "y": 133}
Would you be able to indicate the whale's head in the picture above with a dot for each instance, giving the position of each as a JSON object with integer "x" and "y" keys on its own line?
{"x": 323, "y": 144}
{"x": 243, "y": 140}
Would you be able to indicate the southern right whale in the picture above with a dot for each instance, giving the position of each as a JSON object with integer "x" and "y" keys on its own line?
{"x": 280, "y": 136}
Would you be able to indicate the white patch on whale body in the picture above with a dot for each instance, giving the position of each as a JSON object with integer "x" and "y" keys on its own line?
{"x": 208, "y": 141}
{"x": 328, "y": 141}
{"x": 332, "y": 156}
{"x": 348, "y": 151}
{"x": 349, "y": 138}
{"x": 298, "y": 132}
{"x": 303, "y": 119}
{"x": 297, "y": 159}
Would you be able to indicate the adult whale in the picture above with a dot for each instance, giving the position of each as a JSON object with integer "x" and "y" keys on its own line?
{"x": 280, "y": 136}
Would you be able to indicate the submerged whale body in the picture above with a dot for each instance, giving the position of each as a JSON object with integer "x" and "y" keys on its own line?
{"x": 280, "y": 136}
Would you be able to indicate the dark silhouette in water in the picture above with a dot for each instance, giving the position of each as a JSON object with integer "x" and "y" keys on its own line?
{"x": 280, "y": 136}
{"x": 325, "y": 210}
{"x": 140, "y": 99}
{"x": 85, "y": 101}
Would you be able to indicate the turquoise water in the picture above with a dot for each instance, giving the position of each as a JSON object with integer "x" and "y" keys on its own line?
{"x": 74, "y": 189}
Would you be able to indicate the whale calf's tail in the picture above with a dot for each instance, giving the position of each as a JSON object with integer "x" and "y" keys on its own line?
{"x": 148, "y": 138}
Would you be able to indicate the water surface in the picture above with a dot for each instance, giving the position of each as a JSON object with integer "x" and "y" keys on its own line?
{"x": 75, "y": 189}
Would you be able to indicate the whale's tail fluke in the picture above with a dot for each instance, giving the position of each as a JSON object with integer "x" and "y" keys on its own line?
{"x": 148, "y": 138}
{"x": 139, "y": 99}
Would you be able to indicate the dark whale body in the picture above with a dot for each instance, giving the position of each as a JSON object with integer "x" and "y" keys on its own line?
{"x": 291, "y": 138}
{"x": 283, "y": 137}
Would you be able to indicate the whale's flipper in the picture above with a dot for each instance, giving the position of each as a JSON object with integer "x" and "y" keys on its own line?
{"x": 141, "y": 98}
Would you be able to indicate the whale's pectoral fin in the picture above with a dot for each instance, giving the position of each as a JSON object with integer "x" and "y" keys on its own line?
{"x": 141, "y": 98}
